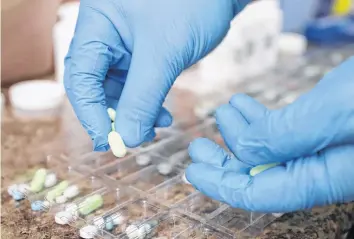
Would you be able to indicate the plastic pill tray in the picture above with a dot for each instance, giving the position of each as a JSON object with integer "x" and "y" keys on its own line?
{"x": 145, "y": 189}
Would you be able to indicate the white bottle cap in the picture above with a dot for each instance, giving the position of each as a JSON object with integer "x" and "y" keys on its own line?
{"x": 36, "y": 95}
{"x": 292, "y": 44}
{"x": 88, "y": 232}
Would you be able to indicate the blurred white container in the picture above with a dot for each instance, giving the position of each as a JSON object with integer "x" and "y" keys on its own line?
{"x": 63, "y": 32}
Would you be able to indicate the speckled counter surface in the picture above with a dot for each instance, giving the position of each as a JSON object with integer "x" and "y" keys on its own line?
{"x": 21, "y": 148}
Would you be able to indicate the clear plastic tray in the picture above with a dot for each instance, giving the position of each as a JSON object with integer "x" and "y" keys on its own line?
{"x": 87, "y": 185}
{"x": 203, "y": 231}
{"x": 52, "y": 164}
{"x": 111, "y": 199}
{"x": 149, "y": 178}
{"x": 200, "y": 206}
{"x": 162, "y": 136}
{"x": 172, "y": 192}
{"x": 131, "y": 213}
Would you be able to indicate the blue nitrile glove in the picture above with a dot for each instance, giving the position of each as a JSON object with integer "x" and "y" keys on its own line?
{"x": 127, "y": 54}
{"x": 323, "y": 178}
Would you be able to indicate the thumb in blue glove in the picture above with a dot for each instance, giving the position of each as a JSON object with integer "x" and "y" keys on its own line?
{"x": 321, "y": 118}
{"x": 320, "y": 179}
{"x": 127, "y": 54}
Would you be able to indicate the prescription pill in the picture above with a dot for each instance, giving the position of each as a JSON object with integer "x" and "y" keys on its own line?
{"x": 61, "y": 199}
{"x": 17, "y": 195}
{"x": 185, "y": 179}
{"x": 50, "y": 180}
{"x": 57, "y": 190}
{"x": 277, "y": 214}
{"x": 132, "y": 232}
{"x": 142, "y": 232}
{"x": 71, "y": 207}
{"x": 63, "y": 218}
{"x": 147, "y": 228}
{"x": 90, "y": 204}
{"x": 72, "y": 191}
{"x": 99, "y": 222}
{"x": 143, "y": 159}
{"x": 112, "y": 114}
{"x": 12, "y": 188}
{"x": 260, "y": 168}
{"x": 117, "y": 145}
{"x": 117, "y": 218}
{"x": 164, "y": 168}
{"x": 38, "y": 180}
{"x": 109, "y": 225}
{"x": 37, "y": 205}
{"x": 88, "y": 232}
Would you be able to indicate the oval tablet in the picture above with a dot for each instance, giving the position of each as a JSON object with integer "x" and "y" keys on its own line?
{"x": 117, "y": 145}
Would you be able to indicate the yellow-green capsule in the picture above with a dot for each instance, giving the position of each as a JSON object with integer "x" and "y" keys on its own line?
{"x": 57, "y": 191}
{"x": 90, "y": 204}
{"x": 113, "y": 127}
{"x": 112, "y": 114}
{"x": 37, "y": 183}
{"x": 260, "y": 168}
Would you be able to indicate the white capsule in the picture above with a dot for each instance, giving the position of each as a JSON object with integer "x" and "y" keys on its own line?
{"x": 88, "y": 232}
{"x": 132, "y": 232}
{"x": 143, "y": 159}
{"x": 185, "y": 179}
{"x": 147, "y": 228}
{"x": 71, "y": 207}
{"x": 72, "y": 191}
{"x": 99, "y": 222}
{"x": 117, "y": 219}
{"x": 164, "y": 168}
{"x": 12, "y": 188}
{"x": 117, "y": 145}
{"x": 111, "y": 113}
{"x": 23, "y": 188}
{"x": 142, "y": 232}
{"x": 61, "y": 199}
{"x": 50, "y": 180}
{"x": 63, "y": 218}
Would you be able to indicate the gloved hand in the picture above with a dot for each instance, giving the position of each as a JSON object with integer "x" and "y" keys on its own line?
{"x": 127, "y": 54}
{"x": 312, "y": 138}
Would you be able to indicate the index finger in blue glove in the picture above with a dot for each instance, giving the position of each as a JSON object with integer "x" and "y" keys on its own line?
{"x": 317, "y": 180}
{"x": 93, "y": 50}
{"x": 321, "y": 118}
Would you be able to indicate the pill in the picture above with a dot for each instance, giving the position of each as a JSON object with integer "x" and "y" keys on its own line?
{"x": 109, "y": 225}
{"x": 45, "y": 204}
{"x": 164, "y": 168}
{"x": 57, "y": 190}
{"x": 50, "y": 180}
{"x": 23, "y": 188}
{"x": 113, "y": 127}
{"x": 61, "y": 199}
{"x": 37, "y": 205}
{"x": 88, "y": 232}
{"x": 143, "y": 159}
{"x": 185, "y": 179}
{"x": 132, "y": 232}
{"x": 111, "y": 113}
{"x": 117, "y": 218}
{"x": 147, "y": 228}
{"x": 63, "y": 218}
{"x": 17, "y": 195}
{"x": 117, "y": 145}
{"x": 38, "y": 180}
{"x": 71, "y": 207}
{"x": 12, "y": 188}
{"x": 99, "y": 222}
{"x": 90, "y": 204}
{"x": 72, "y": 191}
{"x": 260, "y": 168}
{"x": 142, "y": 231}
{"x": 277, "y": 214}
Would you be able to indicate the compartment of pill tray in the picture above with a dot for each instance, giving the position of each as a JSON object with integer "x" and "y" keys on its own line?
{"x": 86, "y": 184}
{"x": 162, "y": 135}
{"x": 53, "y": 164}
{"x": 111, "y": 199}
{"x": 257, "y": 226}
{"x": 149, "y": 178}
{"x": 132, "y": 213}
{"x": 172, "y": 191}
{"x": 125, "y": 167}
{"x": 203, "y": 231}
{"x": 96, "y": 160}
{"x": 236, "y": 220}
{"x": 200, "y": 207}
{"x": 166, "y": 225}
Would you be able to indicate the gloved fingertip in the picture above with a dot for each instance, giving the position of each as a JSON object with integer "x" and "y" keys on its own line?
{"x": 196, "y": 145}
{"x": 164, "y": 119}
{"x": 101, "y": 148}
{"x": 248, "y": 107}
